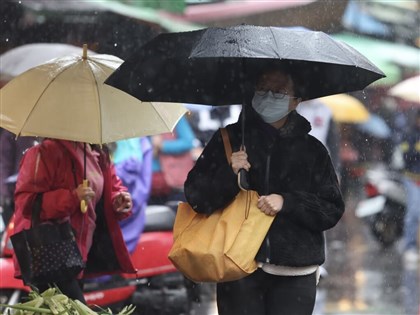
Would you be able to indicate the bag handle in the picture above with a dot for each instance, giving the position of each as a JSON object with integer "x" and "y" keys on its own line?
{"x": 242, "y": 176}
{"x": 36, "y": 211}
{"x": 226, "y": 143}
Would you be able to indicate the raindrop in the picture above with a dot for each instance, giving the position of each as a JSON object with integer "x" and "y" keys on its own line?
{"x": 7, "y": 39}
{"x": 115, "y": 44}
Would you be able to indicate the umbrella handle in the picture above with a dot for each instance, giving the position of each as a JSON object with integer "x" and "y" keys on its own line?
{"x": 83, "y": 205}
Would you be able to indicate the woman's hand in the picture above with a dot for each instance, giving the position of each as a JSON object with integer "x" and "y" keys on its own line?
{"x": 122, "y": 203}
{"x": 85, "y": 193}
{"x": 239, "y": 161}
{"x": 271, "y": 204}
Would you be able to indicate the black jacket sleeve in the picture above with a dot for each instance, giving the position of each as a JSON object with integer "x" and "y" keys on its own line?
{"x": 211, "y": 184}
{"x": 320, "y": 209}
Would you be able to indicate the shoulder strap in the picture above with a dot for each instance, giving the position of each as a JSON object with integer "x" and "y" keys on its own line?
{"x": 36, "y": 210}
{"x": 226, "y": 143}
{"x": 243, "y": 181}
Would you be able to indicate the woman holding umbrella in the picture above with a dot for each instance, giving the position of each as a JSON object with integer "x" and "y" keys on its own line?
{"x": 54, "y": 169}
{"x": 293, "y": 174}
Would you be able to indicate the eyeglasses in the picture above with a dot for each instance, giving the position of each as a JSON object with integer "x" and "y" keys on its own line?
{"x": 279, "y": 96}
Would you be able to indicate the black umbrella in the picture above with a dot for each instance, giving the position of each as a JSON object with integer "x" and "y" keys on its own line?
{"x": 218, "y": 66}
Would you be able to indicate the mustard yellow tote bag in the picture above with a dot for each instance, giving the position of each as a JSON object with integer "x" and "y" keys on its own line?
{"x": 221, "y": 246}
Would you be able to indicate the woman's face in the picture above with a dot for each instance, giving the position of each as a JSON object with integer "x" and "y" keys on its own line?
{"x": 277, "y": 81}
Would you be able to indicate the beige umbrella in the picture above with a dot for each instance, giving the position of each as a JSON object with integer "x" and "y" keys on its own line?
{"x": 66, "y": 99}
{"x": 408, "y": 90}
{"x": 346, "y": 108}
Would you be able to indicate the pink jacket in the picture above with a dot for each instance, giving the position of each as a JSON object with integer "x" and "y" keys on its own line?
{"x": 48, "y": 169}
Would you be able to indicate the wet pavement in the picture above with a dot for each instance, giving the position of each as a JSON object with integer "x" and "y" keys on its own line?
{"x": 363, "y": 278}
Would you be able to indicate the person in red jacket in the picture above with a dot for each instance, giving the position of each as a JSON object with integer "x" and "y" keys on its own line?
{"x": 55, "y": 169}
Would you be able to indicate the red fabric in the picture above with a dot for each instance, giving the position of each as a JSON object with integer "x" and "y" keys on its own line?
{"x": 47, "y": 169}
{"x": 175, "y": 168}
{"x": 159, "y": 185}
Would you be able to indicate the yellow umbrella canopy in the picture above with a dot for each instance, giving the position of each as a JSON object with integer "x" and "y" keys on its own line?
{"x": 408, "y": 90}
{"x": 346, "y": 108}
{"x": 66, "y": 99}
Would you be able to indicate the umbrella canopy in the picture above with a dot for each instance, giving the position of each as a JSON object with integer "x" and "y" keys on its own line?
{"x": 346, "y": 108}
{"x": 66, "y": 99}
{"x": 20, "y": 59}
{"x": 218, "y": 66}
{"x": 376, "y": 127}
{"x": 408, "y": 90}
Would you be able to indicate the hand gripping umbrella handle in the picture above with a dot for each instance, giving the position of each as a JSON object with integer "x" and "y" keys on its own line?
{"x": 83, "y": 205}
{"x": 243, "y": 180}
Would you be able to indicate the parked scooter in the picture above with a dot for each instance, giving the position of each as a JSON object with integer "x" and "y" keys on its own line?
{"x": 157, "y": 288}
{"x": 384, "y": 205}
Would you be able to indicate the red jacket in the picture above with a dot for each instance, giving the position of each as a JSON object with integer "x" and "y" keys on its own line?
{"x": 48, "y": 169}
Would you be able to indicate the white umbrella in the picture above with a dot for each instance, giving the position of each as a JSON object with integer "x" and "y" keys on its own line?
{"x": 408, "y": 90}
{"x": 22, "y": 58}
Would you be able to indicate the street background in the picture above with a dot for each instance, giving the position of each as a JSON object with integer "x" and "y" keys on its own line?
{"x": 362, "y": 277}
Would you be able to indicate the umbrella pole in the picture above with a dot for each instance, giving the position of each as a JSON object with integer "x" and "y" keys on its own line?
{"x": 242, "y": 174}
{"x": 243, "y": 182}
{"x": 83, "y": 205}
{"x": 243, "y": 125}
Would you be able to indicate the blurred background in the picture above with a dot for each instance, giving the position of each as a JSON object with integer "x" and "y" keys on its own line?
{"x": 366, "y": 271}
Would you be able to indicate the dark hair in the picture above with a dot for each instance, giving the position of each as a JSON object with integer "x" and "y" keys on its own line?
{"x": 283, "y": 67}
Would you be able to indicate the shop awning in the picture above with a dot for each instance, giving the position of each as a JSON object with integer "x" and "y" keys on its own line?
{"x": 324, "y": 15}
{"x": 392, "y": 58}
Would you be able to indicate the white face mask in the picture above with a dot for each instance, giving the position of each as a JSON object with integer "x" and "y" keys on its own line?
{"x": 269, "y": 107}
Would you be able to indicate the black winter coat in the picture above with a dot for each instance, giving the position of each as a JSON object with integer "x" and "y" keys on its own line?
{"x": 300, "y": 170}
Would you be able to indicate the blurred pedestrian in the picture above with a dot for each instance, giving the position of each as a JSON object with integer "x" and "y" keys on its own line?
{"x": 11, "y": 152}
{"x": 323, "y": 127}
{"x": 133, "y": 163}
{"x": 54, "y": 168}
{"x": 350, "y": 157}
{"x": 294, "y": 175}
{"x": 206, "y": 120}
{"x": 410, "y": 148}
{"x": 172, "y": 160}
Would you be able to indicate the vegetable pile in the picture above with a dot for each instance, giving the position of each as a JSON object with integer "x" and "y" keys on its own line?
{"x": 52, "y": 301}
